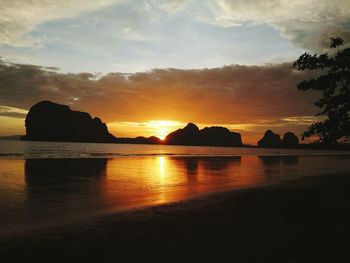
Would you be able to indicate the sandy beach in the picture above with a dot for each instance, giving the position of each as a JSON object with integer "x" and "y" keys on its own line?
{"x": 305, "y": 220}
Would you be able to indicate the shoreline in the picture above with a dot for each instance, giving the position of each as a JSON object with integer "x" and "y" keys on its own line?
{"x": 56, "y": 150}
{"x": 301, "y": 146}
{"x": 19, "y": 156}
{"x": 294, "y": 219}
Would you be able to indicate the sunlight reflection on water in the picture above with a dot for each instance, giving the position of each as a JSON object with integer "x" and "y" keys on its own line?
{"x": 40, "y": 191}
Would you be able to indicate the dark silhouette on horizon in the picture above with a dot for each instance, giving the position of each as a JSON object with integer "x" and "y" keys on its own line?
{"x": 220, "y": 136}
{"x": 270, "y": 140}
{"x": 290, "y": 140}
{"x": 140, "y": 140}
{"x": 188, "y": 135}
{"x": 209, "y": 136}
{"x": 273, "y": 140}
{"x": 48, "y": 121}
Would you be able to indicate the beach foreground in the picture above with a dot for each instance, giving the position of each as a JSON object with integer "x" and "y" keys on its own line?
{"x": 305, "y": 220}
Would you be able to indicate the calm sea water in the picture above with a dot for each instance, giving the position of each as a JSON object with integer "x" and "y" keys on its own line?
{"x": 45, "y": 184}
{"x": 26, "y": 150}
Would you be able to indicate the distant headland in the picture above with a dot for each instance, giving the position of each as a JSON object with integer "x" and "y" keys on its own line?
{"x": 209, "y": 136}
{"x": 49, "y": 121}
{"x": 273, "y": 140}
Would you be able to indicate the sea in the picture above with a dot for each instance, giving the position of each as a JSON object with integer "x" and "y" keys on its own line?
{"x": 47, "y": 184}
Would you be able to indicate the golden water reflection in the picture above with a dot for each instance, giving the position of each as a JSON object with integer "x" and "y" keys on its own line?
{"x": 47, "y": 190}
{"x": 149, "y": 181}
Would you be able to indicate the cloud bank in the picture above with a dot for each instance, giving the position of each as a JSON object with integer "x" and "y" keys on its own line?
{"x": 245, "y": 97}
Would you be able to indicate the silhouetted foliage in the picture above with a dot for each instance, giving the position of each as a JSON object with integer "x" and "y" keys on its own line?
{"x": 335, "y": 87}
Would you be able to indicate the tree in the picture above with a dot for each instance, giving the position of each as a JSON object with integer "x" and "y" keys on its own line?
{"x": 334, "y": 83}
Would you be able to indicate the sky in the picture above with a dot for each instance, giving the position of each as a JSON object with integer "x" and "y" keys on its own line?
{"x": 147, "y": 67}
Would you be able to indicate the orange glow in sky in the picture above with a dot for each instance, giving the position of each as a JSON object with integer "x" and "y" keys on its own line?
{"x": 158, "y": 128}
{"x": 162, "y": 127}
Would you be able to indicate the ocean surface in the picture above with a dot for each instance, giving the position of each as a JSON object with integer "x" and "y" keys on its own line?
{"x": 29, "y": 150}
{"x": 45, "y": 184}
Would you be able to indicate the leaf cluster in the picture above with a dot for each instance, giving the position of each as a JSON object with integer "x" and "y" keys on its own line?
{"x": 334, "y": 84}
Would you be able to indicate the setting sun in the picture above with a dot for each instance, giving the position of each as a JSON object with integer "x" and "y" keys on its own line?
{"x": 162, "y": 133}
{"x": 162, "y": 127}
{"x": 159, "y": 128}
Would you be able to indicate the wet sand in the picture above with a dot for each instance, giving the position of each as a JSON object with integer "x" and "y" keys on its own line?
{"x": 304, "y": 220}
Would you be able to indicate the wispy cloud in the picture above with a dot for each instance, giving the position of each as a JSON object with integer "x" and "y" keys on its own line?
{"x": 19, "y": 17}
{"x": 12, "y": 112}
{"x": 307, "y": 24}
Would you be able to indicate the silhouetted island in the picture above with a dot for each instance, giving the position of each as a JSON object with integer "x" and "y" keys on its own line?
{"x": 48, "y": 121}
{"x": 209, "y": 136}
{"x": 290, "y": 140}
{"x": 140, "y": 140}
{"x": 185, "y": 136}
{"x": 270, "y": 140}
{"x": 273, "y": 140}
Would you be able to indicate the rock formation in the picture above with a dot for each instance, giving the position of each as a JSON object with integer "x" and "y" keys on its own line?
{"x": 48, "y": 121}
{"x": 209, "y": 136}
{"x": 219, "y": 136}
{"x": 140, "y": 140}
{"x": 270, "y": 140}
{"x": 290, "y": 140}
{"x": 186, "y": 136}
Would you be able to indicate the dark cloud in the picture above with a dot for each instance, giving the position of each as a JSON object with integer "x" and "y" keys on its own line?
{"x": 231, "y": 94}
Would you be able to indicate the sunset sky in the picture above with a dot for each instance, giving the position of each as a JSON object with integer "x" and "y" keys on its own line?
{"x": 147, "y": 67}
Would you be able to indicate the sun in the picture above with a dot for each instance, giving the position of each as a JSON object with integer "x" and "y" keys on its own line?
{"x": 162, "y": 133}
{"x": 161, "y": 128}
